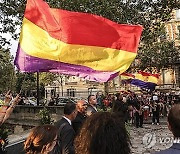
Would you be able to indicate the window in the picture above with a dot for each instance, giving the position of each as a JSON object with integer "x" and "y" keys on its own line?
{"x": 178, "y": 27}
{"x": 92, "y": 91}
{"x": 178, "y": 14}
{"x": 71, "y": 92}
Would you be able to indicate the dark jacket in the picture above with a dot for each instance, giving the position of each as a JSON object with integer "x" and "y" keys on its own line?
{"x": 90, "y": 110}
{"x": 78, "y": 121}
{"x": 174, "y": 149}
{"x": 120, "y": 107}
{"x": 65, "y": 136}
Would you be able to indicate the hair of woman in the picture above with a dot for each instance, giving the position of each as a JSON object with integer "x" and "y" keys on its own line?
{"x": 103, "y": 133}
{"x": 39, "y": 137}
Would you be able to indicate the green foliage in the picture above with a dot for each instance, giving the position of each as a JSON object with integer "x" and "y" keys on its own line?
{"x": 3, "y": 137}
{"x": 6, "y": 70}
{"x": 25, "y": 82}
{"x": 45, "y": 116}
{"x": 159, "y": 55}
{"x": 46, "y": 78}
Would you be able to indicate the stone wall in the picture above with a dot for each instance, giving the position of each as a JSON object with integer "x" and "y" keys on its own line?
{"x": 26, "y": 117}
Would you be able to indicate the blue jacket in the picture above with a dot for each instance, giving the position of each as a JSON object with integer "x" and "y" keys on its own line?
{"x": 174, "y": 149}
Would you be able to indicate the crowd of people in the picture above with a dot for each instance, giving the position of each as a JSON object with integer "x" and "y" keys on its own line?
{"x": 139, "y": 107}
{"x": 84, "y": 130}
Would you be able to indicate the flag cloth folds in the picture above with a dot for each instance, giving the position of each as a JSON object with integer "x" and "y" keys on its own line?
{"x": 126, "y": 78}
{"x": 74, "y": 43}
{"x": 145, "y": 80}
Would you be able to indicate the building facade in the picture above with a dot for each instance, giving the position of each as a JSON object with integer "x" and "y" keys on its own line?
{"x": 172, "y": 76}
{"x": 71, "y": 86}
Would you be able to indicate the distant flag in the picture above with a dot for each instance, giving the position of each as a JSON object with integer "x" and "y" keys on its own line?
{"x": 74, "y": 43}
{"x": 145, "y": 80}
{"x": 126, "y": 78}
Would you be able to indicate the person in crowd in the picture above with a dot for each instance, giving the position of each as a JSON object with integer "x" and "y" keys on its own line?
{"x": 120, "y": 107}
{"x": 130, "y": 103}
{"x": 21, "y": 102}
{"x": 52, "y": 101}
{"x": 81, "y": 115}
{"x": 161, "y": 107}
{"x": 92, "y": 102}
{"x": 7, "y": 108}
{"x": 141, "y": 114}
{"x": 66, "y": 133}
{"x": 138, "y": 111}
{"x": 146, "y": 108}
{"x": 57, "y": 99}
{"x": 174, "y": 127}
{"x": 103, "y": 133}
{"x": 106, "y": 102}
{"x": 155, "y": 111}
{"x": 41, "y": 140}
{"x": 99, "y": 99}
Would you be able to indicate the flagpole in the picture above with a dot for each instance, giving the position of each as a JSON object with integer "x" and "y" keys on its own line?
{"x": 37, "y": 88}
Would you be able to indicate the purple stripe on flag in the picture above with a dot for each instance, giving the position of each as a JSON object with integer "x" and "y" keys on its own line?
{"x": 27, "y": 63}
{"x": 142, "y": 84}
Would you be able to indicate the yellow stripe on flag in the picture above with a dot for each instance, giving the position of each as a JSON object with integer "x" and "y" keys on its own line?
{"x": 38, "y": 43}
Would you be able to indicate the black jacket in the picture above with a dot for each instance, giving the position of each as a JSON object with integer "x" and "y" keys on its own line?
{"x": 78, "y": 121}
{"x": 120, "y": 108}
{"x": 65, "y": 136}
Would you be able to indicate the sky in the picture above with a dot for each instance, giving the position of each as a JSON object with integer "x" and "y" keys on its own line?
{"x": 14, "y": 44}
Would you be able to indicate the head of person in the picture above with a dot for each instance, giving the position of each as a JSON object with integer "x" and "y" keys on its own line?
{"x": 81, "y": 106}
{"x": 119, "y": 96}
{"x": 92, "y": 100}
{"x": 70, "y": 110}
{"x": 104, "y": 133}
{"x": 174, "y": 120}
{"x": 41, "y": 140}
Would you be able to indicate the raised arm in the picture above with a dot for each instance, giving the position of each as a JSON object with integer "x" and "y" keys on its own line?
{"x": 7, "y": 110}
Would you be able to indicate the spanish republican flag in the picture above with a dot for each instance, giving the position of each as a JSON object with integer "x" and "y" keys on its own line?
{"x": 127, "y": 76}
{"x": 145, "y": 80}
{"x": 74, "y": 43}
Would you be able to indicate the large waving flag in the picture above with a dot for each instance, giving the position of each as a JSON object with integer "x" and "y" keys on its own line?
{"x": 145, "y": 80}
{"x": 74, "y": 43}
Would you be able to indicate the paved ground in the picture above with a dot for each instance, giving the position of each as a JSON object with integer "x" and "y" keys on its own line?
{"x": 150, "y": 138}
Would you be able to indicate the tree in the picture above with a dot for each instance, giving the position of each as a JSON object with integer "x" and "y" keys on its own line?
{"x": 162, "y": 54}
{"x": 47, "y": 78}
{"x": 6, "y": 71}
{"x": 152, "y": 14}
{"x": 25, "y": 83}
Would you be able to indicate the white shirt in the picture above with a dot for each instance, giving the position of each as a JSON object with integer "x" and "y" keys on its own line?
{"x": 94, "y": 107}
{"x": 67, "y": 119}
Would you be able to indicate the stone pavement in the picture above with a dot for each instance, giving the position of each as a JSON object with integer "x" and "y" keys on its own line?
{"x": 16, "y": 143}
{"x": 150, "y": 138}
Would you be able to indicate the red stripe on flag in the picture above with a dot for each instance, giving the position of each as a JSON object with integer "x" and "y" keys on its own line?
{"x": 128, "y": 74}
{"x": 83, "y": 28}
